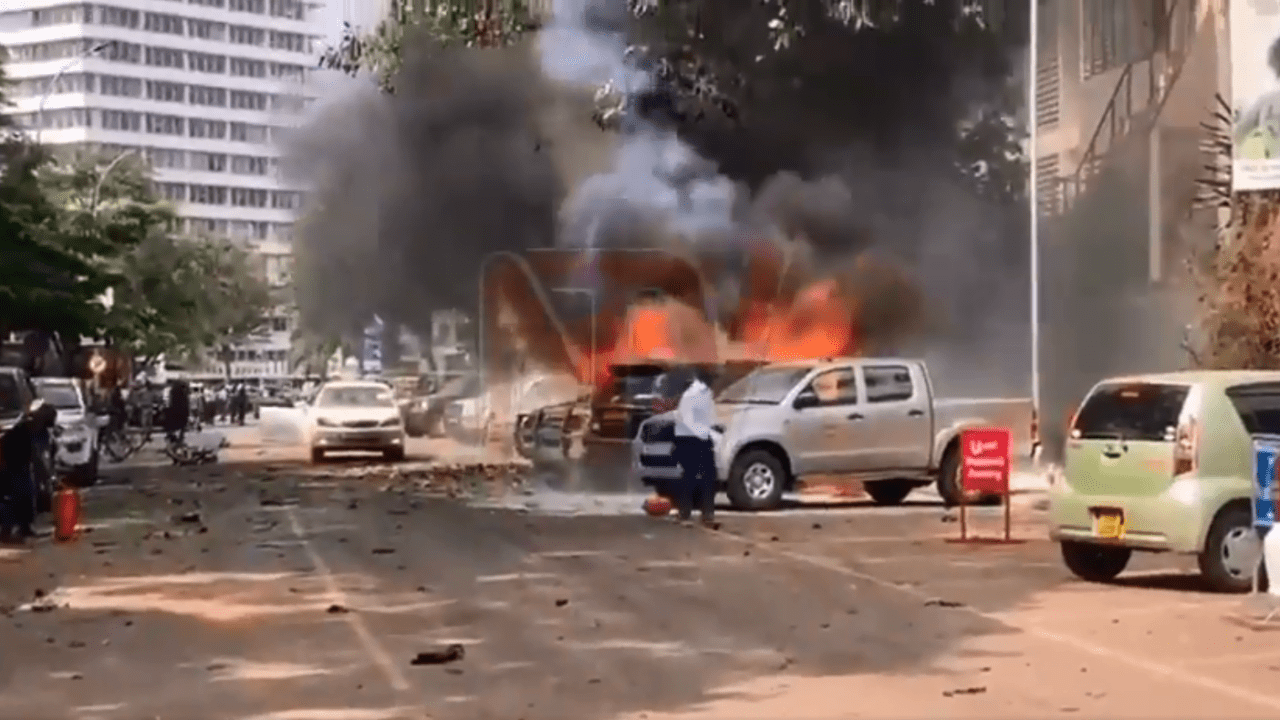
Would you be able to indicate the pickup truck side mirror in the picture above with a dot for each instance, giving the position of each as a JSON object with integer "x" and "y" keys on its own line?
{"x": 806, "y": 399}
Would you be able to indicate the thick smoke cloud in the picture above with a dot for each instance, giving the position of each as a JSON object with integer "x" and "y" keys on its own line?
{"x": 412, "y": 190}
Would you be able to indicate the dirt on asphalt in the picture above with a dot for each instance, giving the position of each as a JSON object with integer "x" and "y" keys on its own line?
{"x": 290, "y": 593}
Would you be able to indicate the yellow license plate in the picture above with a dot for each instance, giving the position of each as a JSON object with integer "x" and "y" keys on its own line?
{"x": 1109, "y": 525}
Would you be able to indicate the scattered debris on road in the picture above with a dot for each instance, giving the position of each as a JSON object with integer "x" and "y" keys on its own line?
{"x": 561, "y": 602}
{"x": 336, "y": 609}
{"x": 939, "y": 602}
{"x": 191, "y": 517}
{"x": 965, "y": 691}
{"x": 452, "y": 653}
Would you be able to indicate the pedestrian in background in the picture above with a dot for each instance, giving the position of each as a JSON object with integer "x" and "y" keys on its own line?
{"x": 18, "y": 457}
{"x": 695, "y": 441}
{"x": 220, "y": 402}
{"x": 242, "y": 403}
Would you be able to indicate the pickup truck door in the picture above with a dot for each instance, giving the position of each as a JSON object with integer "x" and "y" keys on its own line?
{"x": 898, "y": 421}
{"x": 819, "y": 436}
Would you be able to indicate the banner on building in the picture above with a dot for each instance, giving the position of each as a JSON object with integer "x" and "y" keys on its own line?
{"x": 1255, "y": 89}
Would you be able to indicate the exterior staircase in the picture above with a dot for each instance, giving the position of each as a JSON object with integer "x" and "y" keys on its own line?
{"x": 1139, "y": 96}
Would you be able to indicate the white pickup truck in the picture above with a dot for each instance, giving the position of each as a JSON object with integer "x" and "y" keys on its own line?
{"x": 869, "y": 419}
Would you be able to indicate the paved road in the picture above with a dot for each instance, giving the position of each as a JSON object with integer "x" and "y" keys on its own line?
{"x": 287, "y": 592}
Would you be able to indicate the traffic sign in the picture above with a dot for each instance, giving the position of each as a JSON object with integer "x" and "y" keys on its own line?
{"x": 97, "y": 364}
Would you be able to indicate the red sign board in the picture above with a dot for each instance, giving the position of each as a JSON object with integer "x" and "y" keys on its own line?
{"x": 984, "y": 464}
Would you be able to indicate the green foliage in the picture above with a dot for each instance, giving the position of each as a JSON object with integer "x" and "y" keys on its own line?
{"x": 188, "y": 296}
{"x": 447, "y": 22}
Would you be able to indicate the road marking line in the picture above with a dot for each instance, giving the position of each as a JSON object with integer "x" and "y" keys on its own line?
{"x": 570, "y": 554}
{"x": 371, "y": 646}
{"x": 508, "y": 577}
{"x": 1228, "y": 659}
{"x": 1154, "y": 668}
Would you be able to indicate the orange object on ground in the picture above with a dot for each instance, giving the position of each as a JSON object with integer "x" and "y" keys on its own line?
{"x": 657, "y": 506}
{"x": 66, "y": 514}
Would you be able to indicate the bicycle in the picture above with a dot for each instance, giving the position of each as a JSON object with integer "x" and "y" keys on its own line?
{"x": 119, "y": 442}
{"x": 180, "y": 452}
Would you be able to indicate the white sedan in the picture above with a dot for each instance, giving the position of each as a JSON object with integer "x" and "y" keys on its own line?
{"x": 77, "y": 443}
{"x": 355, "y": 415}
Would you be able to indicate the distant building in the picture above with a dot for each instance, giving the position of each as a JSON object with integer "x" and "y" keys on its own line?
{"x": 1125, "y": 86}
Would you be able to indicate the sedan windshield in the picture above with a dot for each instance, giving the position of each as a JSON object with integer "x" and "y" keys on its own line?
{"x": 766, "y": 386}
{"x": 62, "y": 397}
{"x": 358, "y": 396}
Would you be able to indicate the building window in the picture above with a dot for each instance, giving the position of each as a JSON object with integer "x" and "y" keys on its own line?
{"x": 248, "y": 68}
{"x": 207, "y": 30}
{"x": 291, "y": 9}
{"x": 209, "y": 3}
{"x": 248, "y": 197}
{"x": 211, "y": 96}
{"x": 56, "y": 119}
{"x": 37, "y": 87}
{"x": 246, "y": 100}
{"x": 122, "y": 52}
{"x": 119, "y": 86}
{"x": 121, "y": 120}
{"x": 279, "y": 324}
{"x": 249, "y": 6}
{"x": 282, "y": 232}
{"x": 210, "y": 195}
{"x": 206, "y": 225}
{"x": 1117, "y": 33}
{"x": 212, "y": 129}
{"x": 208, "y": 162}
{"x": 296, "y": 42}
{"x": 162, "y": 23}
{"x": 166, "y": 91}
{"x": 248, "y": 132}
{"x": 248, "y": 165}
{"x": 174, "y": 192}
{"x": 245, "y": 35}
{"x": 288, "y": 71}
{"x": 207, "y": 63}
{"x": 46, "y": 17}
{"x": 164, "y": 124}
{"x": 167, "y": 158}
{"x": 286, "y": 200}
{"x": 292, "y": 104}
{"x": 118, "y": 17}
{"x": 165, "y": 58}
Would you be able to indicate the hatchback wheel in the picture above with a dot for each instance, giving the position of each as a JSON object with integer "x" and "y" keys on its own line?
{"x": 1093, "y": 562}
{"x": 1231, "y": 551}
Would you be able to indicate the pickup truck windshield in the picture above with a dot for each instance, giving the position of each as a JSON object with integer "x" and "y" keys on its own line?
{"x": 766, "y": 386}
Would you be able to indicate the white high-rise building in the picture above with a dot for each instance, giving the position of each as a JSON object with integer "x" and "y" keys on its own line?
{"x": 204, "y": 89}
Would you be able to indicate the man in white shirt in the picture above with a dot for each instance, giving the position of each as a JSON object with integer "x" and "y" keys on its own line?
{"x": 695, "y": 440}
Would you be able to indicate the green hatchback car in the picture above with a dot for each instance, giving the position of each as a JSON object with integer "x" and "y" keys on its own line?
{"x": 1164, "y": 463}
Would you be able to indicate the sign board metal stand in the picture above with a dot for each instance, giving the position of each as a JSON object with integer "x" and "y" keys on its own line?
{"x": 985, "y": 468}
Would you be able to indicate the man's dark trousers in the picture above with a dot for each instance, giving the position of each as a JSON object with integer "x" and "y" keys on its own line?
{"x": 699, "y": 483}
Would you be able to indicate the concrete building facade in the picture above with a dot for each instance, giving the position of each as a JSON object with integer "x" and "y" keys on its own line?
{"x": 204, "y": 89}
{"x": 1125, "y": 87}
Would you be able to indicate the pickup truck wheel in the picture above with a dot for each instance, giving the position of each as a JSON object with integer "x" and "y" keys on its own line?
{"x": 950, "y": 485}
{"x": 1095, "y": 563}
{"x": 889, "y": 492}
{"x": 756, "y": 481}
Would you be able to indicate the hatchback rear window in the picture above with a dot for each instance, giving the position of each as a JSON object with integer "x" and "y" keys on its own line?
{"x": 1135, "y": 411}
